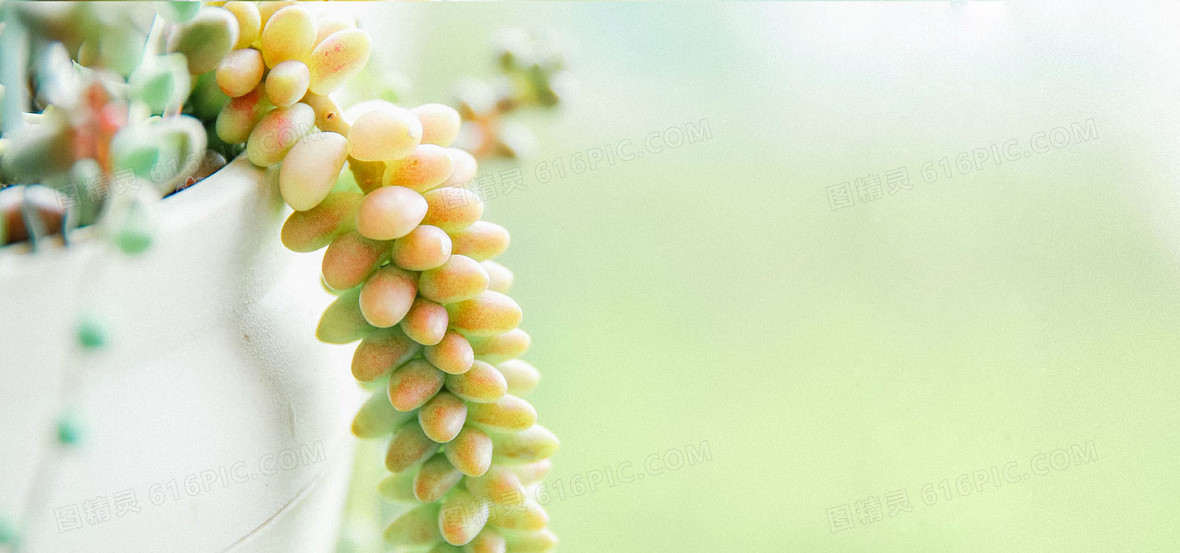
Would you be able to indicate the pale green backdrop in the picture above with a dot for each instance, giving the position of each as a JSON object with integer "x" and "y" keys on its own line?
{"x": 707, "y": 301}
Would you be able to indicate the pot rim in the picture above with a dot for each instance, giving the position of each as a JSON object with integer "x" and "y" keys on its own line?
{"x": 170, "y": 214}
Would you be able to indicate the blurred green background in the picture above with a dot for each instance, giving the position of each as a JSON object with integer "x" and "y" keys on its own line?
{"x": 709, "y": 298}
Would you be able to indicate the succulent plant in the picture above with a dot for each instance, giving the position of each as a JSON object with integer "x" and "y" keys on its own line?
{"x": 532, "y": 75}
{"x": 410, "y": 260}
{"x": 97, "y": 132}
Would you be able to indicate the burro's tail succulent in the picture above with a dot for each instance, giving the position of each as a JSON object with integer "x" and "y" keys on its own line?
{"x": 412, "y": 265}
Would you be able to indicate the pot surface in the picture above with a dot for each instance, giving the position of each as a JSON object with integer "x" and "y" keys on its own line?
{"x": 211, "y": 421}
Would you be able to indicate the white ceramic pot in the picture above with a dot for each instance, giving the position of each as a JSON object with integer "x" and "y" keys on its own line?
{"x": 213, "y": 408}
